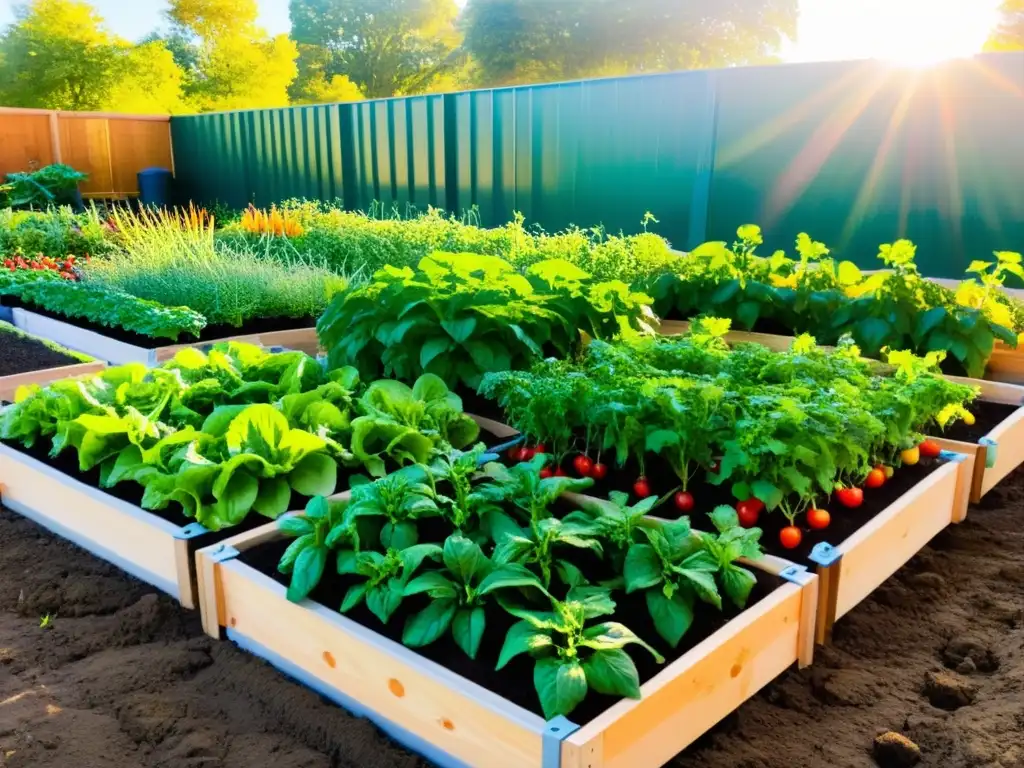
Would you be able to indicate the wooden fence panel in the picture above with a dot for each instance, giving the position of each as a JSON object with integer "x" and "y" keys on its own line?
{"x": 110, "y": 148}
{"x": 25, "y": 142}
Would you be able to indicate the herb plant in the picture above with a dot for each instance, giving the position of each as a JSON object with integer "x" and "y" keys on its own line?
{"x": 572, "y": 655}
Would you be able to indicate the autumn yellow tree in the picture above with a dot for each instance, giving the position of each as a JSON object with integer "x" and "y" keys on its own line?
{"x": 234, "y": 63}
{"x": 58, "y": 54}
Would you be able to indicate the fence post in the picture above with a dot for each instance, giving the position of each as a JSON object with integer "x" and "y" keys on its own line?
{"x": 55, "y": 138}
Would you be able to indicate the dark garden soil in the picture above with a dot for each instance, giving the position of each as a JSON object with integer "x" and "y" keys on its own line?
{"x": 21, "y": 355}
{"x": 987, "y": 416}
{"x": 209, "y": 333}
{"x": 124, "y": 677}
{"x": 515, "y": 681}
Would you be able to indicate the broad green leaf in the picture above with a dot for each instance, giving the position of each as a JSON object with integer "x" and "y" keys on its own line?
{"x": 561, "y": 686}
{"x": 522, "y": 637}
{"x": 295, "y": 526}
{"x": 642, "y": 568}
{"x": 612, "y": 673}
{"x": 737, "y": 583}
{"x": 292, "y": 552}
{"x": 315, "y": 475}
{"x": 506, "y": 576}
{"x": 434, "y": 347}
{"x": 463, "y": 558}
{"x": 273, "y": 497}
{"x": 724, "y": 518}
{"x": 468, "y": 629}
{"x": 430, "y": 624}
{"x": 434, "y": 583}
{"x": 461, "y": 329}
{"x": 384, "y": 599}
{"x": 672, "y": 616}
{"x": 306, "y": 573}
{"x": 596, "y": 601}
{"x": 353, "y": 597}
{"x": 612, "y": 634}
{"x": 399, "y": 536}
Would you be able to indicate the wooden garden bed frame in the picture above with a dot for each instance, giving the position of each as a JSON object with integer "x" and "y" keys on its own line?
{"x": 117, "y": 352}
{"x": 145, "y": 545}
{"x": 9, "y": 384}
{"x": 851, "y": 570}
{"x": 1001, "y": 451}
{"x": 454, "y": 722}
{"x": 1006, "y": 364}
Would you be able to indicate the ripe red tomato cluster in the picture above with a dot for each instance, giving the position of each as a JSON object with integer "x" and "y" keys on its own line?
{"x": 65, "y": 267}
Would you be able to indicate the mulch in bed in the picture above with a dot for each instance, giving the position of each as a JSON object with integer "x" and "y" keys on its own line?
{"x": 21, "y": 355}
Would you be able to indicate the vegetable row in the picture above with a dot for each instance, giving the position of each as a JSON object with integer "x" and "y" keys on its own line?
{"x": 235, "y": 431}
{"x": 781, "y": 430}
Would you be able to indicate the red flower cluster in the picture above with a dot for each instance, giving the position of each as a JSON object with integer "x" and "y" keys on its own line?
{"x": 65, "y": 268}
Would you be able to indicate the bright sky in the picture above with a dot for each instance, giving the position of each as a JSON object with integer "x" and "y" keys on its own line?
{"x": 913, "y": 31}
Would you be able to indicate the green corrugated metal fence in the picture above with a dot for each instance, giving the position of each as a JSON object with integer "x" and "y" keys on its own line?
{"x": 855, "y": 153}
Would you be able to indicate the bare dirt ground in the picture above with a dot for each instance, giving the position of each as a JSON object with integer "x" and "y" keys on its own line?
{"x": 123, "y": 677}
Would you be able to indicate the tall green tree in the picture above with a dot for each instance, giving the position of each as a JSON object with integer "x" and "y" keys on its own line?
{"x": 232, "y": 62}
{"x": 59, "y": 55}
{"x": 518, "y": 41}
{"x": 1009, "y": 34}
{"x": 385, "y": 47}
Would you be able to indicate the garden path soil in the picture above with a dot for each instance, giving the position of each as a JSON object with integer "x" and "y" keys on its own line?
{"x": 19, "y": 355}
{"x": 125, "y": 678}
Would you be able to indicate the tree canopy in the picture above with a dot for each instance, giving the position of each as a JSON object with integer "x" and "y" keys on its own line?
{"x": 385, "y": 47}
{"x": 212, "y": 54}
{"x": 59, "y": 55}
{"x": 519, "y": 41}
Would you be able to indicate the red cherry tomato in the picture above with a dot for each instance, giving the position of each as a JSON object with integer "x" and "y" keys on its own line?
{"x": 754, "y": 503}
{"x": 583, "y": 465}
{"x": 539, "y": 448}
{"x": 790, "y": 537}
{"x": 546, "y": 473}
{"x": 930, "y": 449}
{"x": 641, "y": 488}
{"x": 715, "y": 466}
{"x": 818, "y": 519}
{"x": 559, "y": 472}
{"x": 683, "y": 501}
{"x": 748, "y": 515}
{"x": 850, "y": 497}
{"x": 599, "y": 471}
{"x": 875, "y": 479}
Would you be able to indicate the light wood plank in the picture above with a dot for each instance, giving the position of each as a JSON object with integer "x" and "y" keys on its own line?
{"x": 9, "y": 384}
{"x": 461, "y": 718}
{"x": 301, "y": 339}
{"x": 25, "y": 142}
{"x": 184, "y": 574}
{"x": 697, "y": 690}
{"x": 496, "y": 428}
{"x": 136, "y": 541}
{"x": 886, "y": 543}
{"x": 993, "y": 391}
{"x": 1006, "y": 364}
{"x": 1009, "y": 439}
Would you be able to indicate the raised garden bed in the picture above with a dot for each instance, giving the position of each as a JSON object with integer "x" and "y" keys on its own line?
{"x": 862, "y": 547}
{"x": 446, "y": 712}
{"x": 120, "y": 347}
{"x": 27, "y": 360}
{"x": 158, "y": 549}
{"x": 1006, "y": 364}
{"x": 994, "y": 444}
